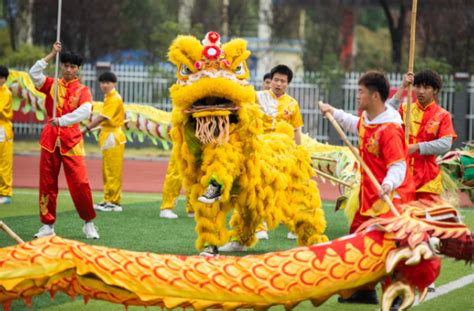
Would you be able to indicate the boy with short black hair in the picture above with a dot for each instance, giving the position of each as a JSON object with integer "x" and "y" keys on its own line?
{"x": 61, "y": 141}
{"x": 111, "y": 141}
{"x": 6, "y": 138}
{"x": 381, "y": 145}
{"x": 383, "y": 148}
{"x": 431, "y": 131}
{"x": 267, "y": 82}
{"x": 277, "y": 105}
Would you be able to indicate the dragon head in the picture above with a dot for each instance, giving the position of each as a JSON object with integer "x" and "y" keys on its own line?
{"x": 212, "y": 90}
{"x": 424, "y": 229}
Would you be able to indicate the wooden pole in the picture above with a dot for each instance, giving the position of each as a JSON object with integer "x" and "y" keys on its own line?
{"x": 361, "y": 161}
{"x": 330, "y": 177}
{"x": 411, "y": 62}
{"x": 56, "y": 68}
{"x": 10, "y": 232}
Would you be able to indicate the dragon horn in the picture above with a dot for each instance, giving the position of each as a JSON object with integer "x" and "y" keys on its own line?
{"x": 405, "y": 291}
{"x": 422, "y": 250}
{"x": 395, "y": 256}
{"x": 412, "y": 256}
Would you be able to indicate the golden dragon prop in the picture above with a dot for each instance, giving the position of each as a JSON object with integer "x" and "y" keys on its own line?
{"x": 285, "y": 278}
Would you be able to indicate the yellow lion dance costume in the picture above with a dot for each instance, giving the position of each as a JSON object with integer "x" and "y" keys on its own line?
{"x": 218, "y": 136}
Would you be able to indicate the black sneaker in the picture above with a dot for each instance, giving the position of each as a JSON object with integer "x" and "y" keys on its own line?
{"x": 396, "y": 304}
{"x": 212, "y": 194}
{"x": 209, "y": 251}
{"x": 368, "y": 297}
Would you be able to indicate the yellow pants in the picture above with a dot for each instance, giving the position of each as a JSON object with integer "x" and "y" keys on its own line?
{"x": 172, "y": 188}
{"x": 112, "y": 167}
{"x": 6, "y": 160}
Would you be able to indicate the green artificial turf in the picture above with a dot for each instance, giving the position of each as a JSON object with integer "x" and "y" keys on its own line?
{"x": 139, "y": 228}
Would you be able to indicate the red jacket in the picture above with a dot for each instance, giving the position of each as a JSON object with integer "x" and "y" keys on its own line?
{"x": 71, "y": 95}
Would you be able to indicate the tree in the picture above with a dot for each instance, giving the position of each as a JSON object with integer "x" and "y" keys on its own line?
{"x": 323, "y": 40}
{"x": 20, "y": 21}
{"x": 445, "y": 35}
{"x": 396, "y": 26}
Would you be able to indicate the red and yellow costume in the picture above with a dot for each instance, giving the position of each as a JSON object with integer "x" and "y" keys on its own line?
{"x": 381, "y": 145}
{"x": 6, "y": 141}
{"x": 427, "y": 124}
{"x": 112, "y": 143}
{"x": 64, "y": 144}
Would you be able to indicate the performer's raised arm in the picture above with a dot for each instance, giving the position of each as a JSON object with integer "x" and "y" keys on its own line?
{"x": 394, "y": 102}
{"x": 36, "y": 71}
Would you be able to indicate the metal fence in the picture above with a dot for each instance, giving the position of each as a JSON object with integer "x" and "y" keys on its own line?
{"x": 150, "y": 85}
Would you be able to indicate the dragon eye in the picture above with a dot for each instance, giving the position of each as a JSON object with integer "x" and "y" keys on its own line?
{"x": 184, "y": 70}
{"x": 240, "y": 69}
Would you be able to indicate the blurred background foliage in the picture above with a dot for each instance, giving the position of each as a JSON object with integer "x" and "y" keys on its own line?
{"x": 107, "y": 28}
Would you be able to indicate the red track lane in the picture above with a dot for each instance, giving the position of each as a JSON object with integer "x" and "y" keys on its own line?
{"x": 138, "y": 176}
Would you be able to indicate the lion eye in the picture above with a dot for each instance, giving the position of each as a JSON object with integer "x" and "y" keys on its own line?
{"x": 184, "y": 70}
{"x": 239, "y": 70}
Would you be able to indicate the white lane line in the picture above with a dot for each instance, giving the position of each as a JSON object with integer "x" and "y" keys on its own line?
{"x": 449, "y": 287}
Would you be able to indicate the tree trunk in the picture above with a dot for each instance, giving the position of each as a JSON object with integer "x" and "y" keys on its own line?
{"x": 10, "y": 9}
{"x": 397, "y": 31}
{"x": 20, "y": 21}
{"x": 24, "y": 22}
{"x": 185, "y": 12}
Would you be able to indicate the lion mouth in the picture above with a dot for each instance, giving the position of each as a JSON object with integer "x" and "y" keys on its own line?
{"x": 210, "y": 104}
{"x": 212, "y": 117}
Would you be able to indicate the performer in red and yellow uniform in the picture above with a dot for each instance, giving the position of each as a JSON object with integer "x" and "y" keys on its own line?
{"x": 61, "y": 141}
{"x": 111, "y": 141}
{"x": 431, "y": 131}
{"x": 6, "y": 139}
{"x": 383, "y": 148}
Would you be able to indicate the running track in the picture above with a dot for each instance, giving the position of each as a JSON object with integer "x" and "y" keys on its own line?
{"x": 139, "y": 175}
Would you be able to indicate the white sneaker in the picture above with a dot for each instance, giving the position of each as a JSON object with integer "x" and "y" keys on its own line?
{"x": 90, "y": 230}
{"x": 111, "y": 207}
{"x": 45, "y": 230}
{"x": 5, "y": 200}
{"x": 191, "y": 215}
{"x": 262, "y": 235}
{"x": 167, "y": 213}
{"x": 100, "y": 206}
{"x": 291, "y": 236}
{"x": 233, "y": 246}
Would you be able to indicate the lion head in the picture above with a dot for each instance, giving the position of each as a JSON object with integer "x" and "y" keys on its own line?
{"x": 212, "y": 91}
